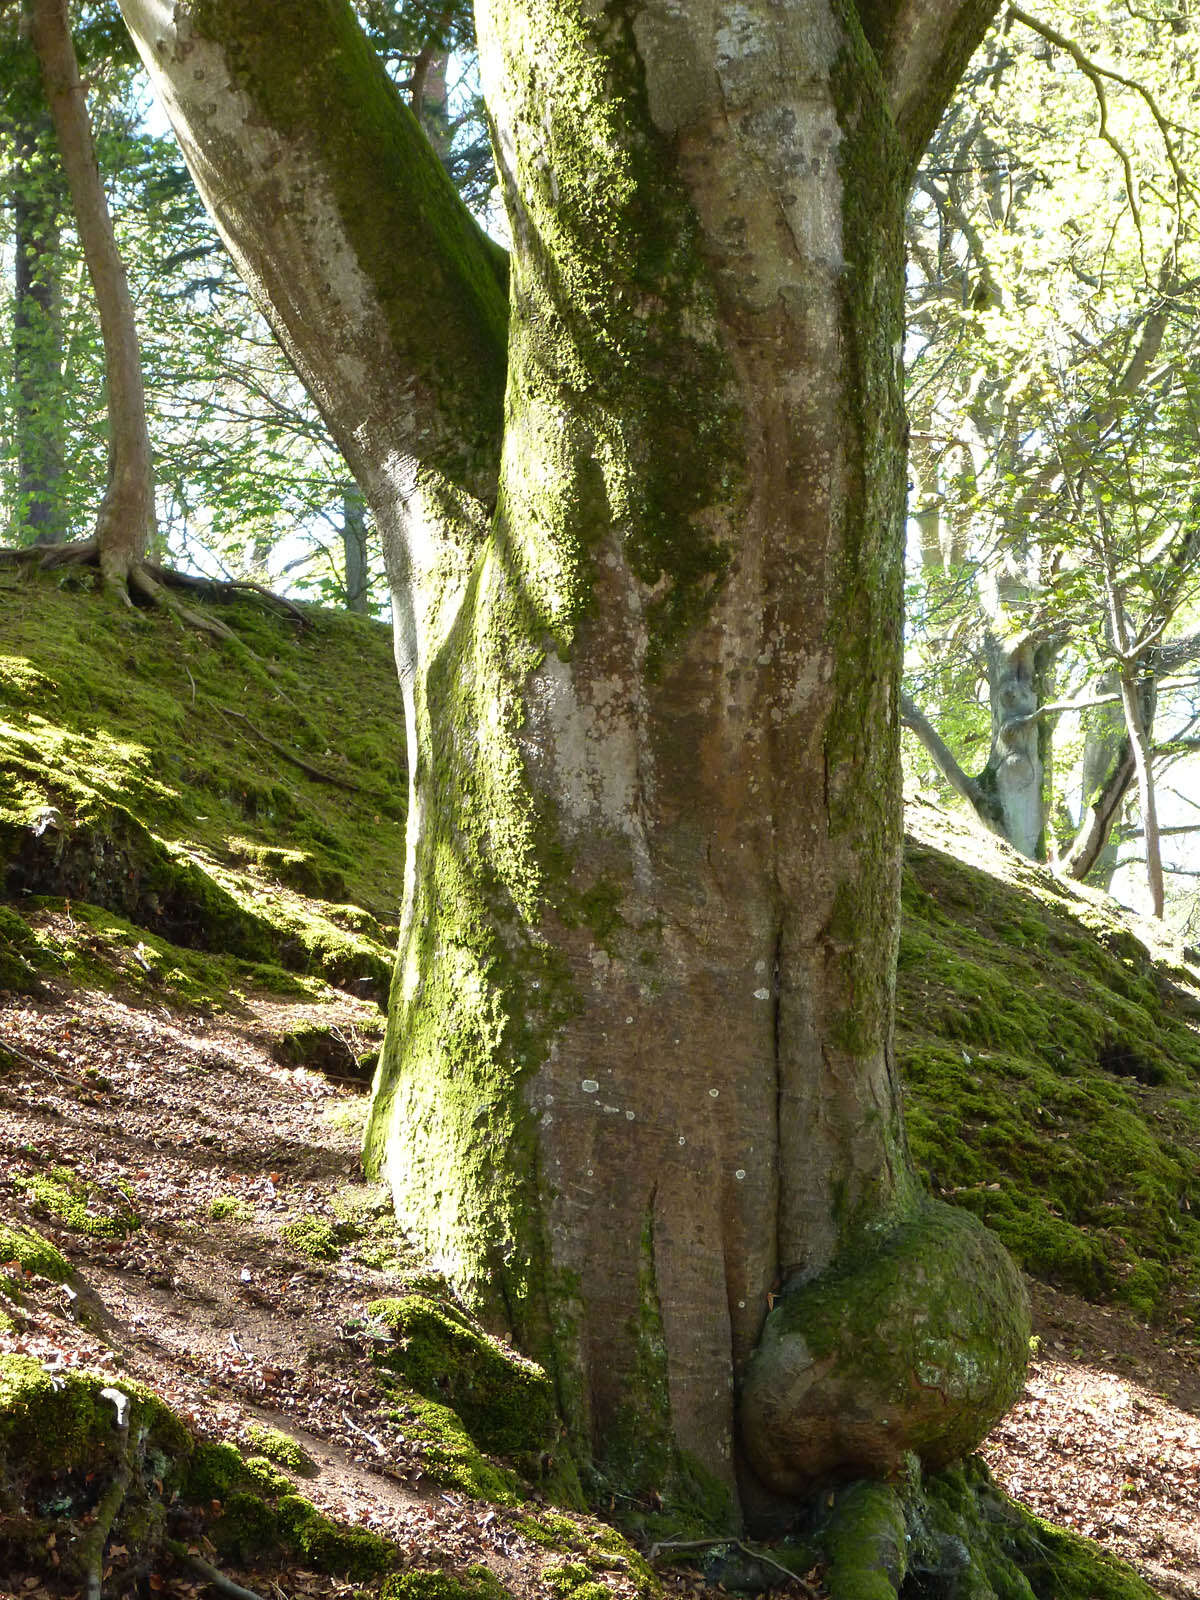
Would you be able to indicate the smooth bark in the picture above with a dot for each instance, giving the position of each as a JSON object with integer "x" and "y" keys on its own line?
{"x": 638, "y": 1072}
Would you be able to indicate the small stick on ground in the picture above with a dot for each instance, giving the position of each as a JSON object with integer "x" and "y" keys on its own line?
{"x": 282, "y": 750}
{"x": 212, "y": 1575}
{"x": 684, "y": 1545}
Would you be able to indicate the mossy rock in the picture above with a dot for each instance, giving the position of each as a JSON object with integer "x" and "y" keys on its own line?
{"x": 506, "y": 1403}
{"x": 915, "y": 1342}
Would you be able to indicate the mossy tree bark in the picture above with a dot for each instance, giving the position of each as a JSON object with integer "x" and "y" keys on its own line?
{"x": 643, "y": 520}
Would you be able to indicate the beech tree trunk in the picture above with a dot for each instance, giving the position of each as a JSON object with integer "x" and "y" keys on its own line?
{"x": 125, "y": 522}
{"x": 638, "y": 1074}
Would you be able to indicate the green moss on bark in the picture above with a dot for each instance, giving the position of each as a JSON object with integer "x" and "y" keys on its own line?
{"x": 914, "y": 1342}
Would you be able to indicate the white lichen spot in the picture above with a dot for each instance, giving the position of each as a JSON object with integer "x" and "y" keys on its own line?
{"x": 629, "y": 1116}
{"x": 628, "y": 1019}
{"x": 762, "y": 994}
{"x": 740, "y": 1174}
{"x": 714, "y": 1094}
{"x": 760, "y": 967}
{"x": 589, "y": 1086}
{"x": 682, "y": 1140}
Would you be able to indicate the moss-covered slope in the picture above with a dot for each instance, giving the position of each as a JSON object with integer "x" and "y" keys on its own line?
{"x": 1052, "y": 1069}
{"x": 242, "y": 799}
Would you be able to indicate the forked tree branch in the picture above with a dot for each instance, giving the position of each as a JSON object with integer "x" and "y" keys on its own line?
{"x": 923, "y": 47}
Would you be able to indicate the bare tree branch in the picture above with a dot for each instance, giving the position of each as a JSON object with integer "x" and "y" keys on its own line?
{"x": 961, "y": 782}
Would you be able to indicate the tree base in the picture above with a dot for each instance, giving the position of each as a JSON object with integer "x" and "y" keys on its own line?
{"x": 950, "y": 1536}
{"x": 915, "y": 1343}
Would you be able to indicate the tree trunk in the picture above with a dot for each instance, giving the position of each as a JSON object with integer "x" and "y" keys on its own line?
{"x": 125, "y": 523}
{"x": 354, "y": 549}
{"x": 638, "y": 1072}
{"x": 1015, "y": 778}
{"x": 1139, "y": 744}
{"x": 37, "y": 332}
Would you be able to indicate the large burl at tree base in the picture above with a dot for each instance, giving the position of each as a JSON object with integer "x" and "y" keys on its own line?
{"x": 641, "y": 486}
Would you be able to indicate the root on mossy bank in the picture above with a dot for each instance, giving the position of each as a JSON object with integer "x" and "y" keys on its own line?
{"x": 955, "y": 1536}
{"x": 952, "y": 1535}
{"x": 147, "y": 582}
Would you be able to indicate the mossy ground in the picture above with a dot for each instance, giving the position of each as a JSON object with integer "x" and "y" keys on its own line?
{"x": 143, "y": 792}
{"x": 1052, "y": 1071}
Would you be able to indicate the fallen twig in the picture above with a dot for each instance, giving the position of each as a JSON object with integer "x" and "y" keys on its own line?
{"x": 734, "y": 1544}
{"x": 369, "y": 1437}
{"x": 282, "y": 750}
{"x": 212, "y": 1575}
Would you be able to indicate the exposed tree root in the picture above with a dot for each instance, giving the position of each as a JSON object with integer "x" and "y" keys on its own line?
{"x": 289, "y": 755}
{"x": 92, "y": 1544}
{"x": 211, "y": 1575}
{"x": 149, "y": 581}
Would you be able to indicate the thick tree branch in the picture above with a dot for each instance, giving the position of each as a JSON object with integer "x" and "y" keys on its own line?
{"x": 1089, "y": 842}
{"x": 923, "y": 47}
{"x": 387, "y": 296}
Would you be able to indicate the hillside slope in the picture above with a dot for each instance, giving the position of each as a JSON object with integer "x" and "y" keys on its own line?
{"x": 202, "y": 855}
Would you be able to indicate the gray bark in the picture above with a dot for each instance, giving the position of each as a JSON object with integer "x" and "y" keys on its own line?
{"x": 639, "y": 1063}
{"x": 354, "y": 549}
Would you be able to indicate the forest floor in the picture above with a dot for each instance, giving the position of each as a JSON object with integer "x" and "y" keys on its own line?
{"x": 185, "y": 1126}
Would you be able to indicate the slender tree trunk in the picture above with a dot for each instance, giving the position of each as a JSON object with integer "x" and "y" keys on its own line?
{"x": 125, "y": 523}
{"x": 37, "y": 334}
{"x": 1139, "y": 744}
{"x": 639, "y": 1069}
{"x": 1014, "y": 780}
{"x": 354, "y": 548}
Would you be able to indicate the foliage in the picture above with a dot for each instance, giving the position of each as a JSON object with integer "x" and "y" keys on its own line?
{"x": 1052, "y": 392}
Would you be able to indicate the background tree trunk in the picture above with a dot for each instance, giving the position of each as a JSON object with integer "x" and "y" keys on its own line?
{"x": 37, "y": 334}
{"x": 354, "y": 549}
{"x": 125, "y": 523}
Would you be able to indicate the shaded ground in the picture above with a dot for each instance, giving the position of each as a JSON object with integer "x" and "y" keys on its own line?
{"x": 168, "y": 1117}
{"x": 216, "y": 833}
